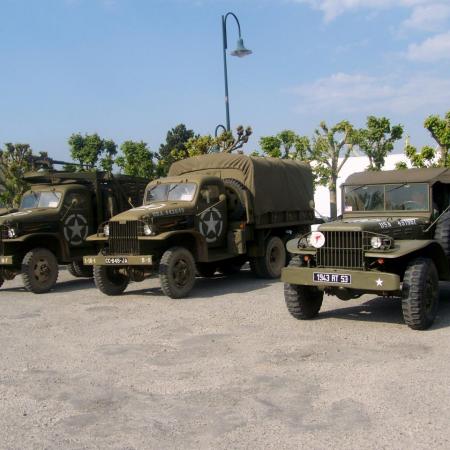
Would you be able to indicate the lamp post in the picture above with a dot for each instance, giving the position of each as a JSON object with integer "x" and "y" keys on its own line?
{"x": 240, "y": 52}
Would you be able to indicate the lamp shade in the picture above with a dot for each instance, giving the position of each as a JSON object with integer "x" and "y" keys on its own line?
{"x": 241, "y": 51}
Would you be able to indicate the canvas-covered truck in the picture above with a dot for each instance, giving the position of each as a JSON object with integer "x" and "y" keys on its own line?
{"x": 55, "y": 216}
{"x": 213, "y": 212}
{"x": 393, "y": 240}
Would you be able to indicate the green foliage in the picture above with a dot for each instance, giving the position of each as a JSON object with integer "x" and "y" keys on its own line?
{"x": 91, "y": 152}
{"x": 286, "y": 144}
{"x": 15, "y": 160}
{"x": 174, "y": 148}
{"x": 137, "y": 160}
{"x": 225, "y": 143}
{"x": 377, "y": 140}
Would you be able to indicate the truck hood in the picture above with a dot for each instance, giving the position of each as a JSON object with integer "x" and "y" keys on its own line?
{"x": 156, "y": 209}
{"x": 25, "y": 216}
{"x": 4, "y": 211}
{"x": 383, "y": 225}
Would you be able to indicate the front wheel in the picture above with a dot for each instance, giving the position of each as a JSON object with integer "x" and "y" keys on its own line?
{"x": 39, "y": 270}
{"x": 420, "y": 293}
{"x": 110, "y": 280}
{"x": 177, "y": 272}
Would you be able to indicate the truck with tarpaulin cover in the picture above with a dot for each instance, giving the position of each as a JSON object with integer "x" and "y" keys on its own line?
{"x": 211, "y": 213}
{"x": 393, "y": 239}
{"x": 55, "y": 216}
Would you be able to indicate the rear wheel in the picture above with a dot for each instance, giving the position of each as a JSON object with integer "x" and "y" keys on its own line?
{"x": 420, "y": 293}
{"x": 177, "y": 272}
{"x": 110, "y": 280}
{"x": 79, "y": 270}
{"x": 39, "y": 270}
{"x": 274, "y": 259}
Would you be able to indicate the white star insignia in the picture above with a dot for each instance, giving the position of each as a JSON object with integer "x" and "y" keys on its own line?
{"x": 379, "y": 282}
{"x": 211, "y": 224}
{"x": 76, "y": 228}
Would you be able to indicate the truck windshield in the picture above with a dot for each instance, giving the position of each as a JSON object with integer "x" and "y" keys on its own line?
{"x": 387, "y": 197}
{"x": 41, "y": 199}
{"x": 183, "y": 192}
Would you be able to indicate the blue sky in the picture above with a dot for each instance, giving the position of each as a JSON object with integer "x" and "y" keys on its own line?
{"x": 133, "y": 69}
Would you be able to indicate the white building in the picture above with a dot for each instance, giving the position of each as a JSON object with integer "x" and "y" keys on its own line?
{"x": 353, "y": 164}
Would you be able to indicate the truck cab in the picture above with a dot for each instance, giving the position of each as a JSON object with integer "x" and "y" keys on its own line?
{"x": 393, "y": 239}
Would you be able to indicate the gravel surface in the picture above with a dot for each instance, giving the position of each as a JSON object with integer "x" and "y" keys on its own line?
{"x": 226, "y": 368}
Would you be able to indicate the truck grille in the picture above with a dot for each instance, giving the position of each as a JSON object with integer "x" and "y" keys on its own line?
{"x": 123, "y": 238}
{"x": 342, "y": 249}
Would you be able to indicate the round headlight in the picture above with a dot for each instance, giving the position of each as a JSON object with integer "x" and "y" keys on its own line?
{"x": 12, "y": 233}
{"x": 376, "y": 242}
{"x": 317, "y": 239}
{"x": 106, "y": 230}
{"x": 148, "y": 230}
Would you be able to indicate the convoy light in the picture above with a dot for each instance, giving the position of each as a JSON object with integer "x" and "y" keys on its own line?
{"x": 317, "y": 239}
{"x": 376, "y": 242}
{"x": 106, "y": 230}
{"x": 148, "y": 230}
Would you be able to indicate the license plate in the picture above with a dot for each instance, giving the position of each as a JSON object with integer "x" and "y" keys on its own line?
{"x": 338, "y": 278}
{"x": 116, "y": 260}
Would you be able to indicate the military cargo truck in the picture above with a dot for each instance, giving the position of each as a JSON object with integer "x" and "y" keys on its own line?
{"x": 393, "y": 240}
{"x": 55, "y": 216}
{"x": 212, "y": 212}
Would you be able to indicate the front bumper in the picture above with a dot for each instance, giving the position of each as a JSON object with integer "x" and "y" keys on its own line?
{"x": 367, "y": 281}
{"x": 6, "y": 260}
{"x": 118, "y": 261}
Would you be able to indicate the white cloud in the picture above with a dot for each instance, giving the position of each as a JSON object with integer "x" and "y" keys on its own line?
{"x": 334, "y": 8}
{"x": 351, "y": 93}
{"x": 428, "y": 17}
{"x": 432, "y": 49}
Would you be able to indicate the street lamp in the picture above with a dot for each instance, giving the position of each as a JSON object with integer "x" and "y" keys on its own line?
{"x": 240, "y": 52}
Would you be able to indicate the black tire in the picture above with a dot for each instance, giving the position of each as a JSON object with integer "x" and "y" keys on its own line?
{"x": 420, "y": 293}
{"x": 39, "y": 270}
{"x": 206, "y": 270}
{"x": 303, "y": 302}
{"x": 1, "y": 281}
{"x": 79, "y": 270}
{"x": 110, "y": 281}
{"x": 442, "y": 233}
{"x": 177, "y": 272}
{"x": 274, "y": 259}
{"x": 235, "y": 198}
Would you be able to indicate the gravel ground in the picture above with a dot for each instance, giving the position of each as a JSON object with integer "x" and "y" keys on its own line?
{"x": 226, "y": 368}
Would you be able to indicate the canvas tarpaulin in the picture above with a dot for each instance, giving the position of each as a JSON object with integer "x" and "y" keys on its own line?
{"x": 275, "y": 185}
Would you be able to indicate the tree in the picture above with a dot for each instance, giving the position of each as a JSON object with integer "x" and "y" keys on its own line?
{"x": 329, "y": 146}
{"x": 15, "y": 160}
{"x": 92, "y": 152}
{"x": 224, "y": 143}
{"x": 377, "y": 140}
{"x": 286, "y": 144}
{"x": 175, "y": 144}
{"x": 137, "y": 160}
{"x": 429, "y": 156}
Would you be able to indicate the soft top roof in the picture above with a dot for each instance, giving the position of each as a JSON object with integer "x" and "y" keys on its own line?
{"x": 431, "y": 175}
{"x": 275, "y": 184}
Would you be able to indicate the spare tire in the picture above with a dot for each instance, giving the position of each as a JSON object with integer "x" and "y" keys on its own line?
{"x": 235, "y": 198}
{"x": 442, "y": 233}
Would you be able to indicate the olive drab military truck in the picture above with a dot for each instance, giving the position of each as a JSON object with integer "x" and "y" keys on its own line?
{"x": 393, "y": 240}
{"x": 212, "y": 213}
{"x": 55, "y": 216}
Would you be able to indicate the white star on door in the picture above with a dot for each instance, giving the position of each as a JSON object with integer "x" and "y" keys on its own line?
{"x": 379, "y": 282}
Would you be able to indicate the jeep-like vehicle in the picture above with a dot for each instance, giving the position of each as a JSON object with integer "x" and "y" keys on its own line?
{"x": 213, "y": 212}
{"x": 393, "y": 239}
{"x": 55, "y": 216}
